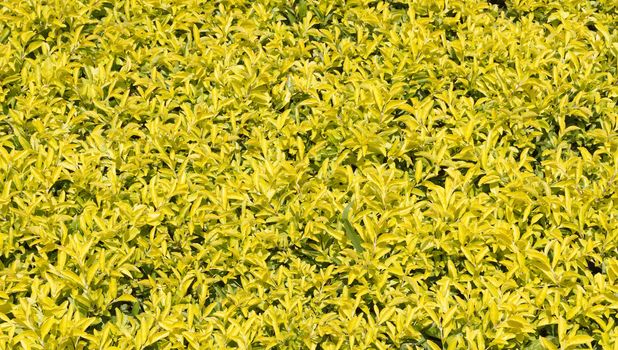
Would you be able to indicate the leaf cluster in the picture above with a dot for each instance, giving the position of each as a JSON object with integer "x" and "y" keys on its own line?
{"x": 304, "y": 174}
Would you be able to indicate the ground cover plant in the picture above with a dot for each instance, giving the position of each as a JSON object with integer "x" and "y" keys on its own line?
{"x": 304, "y": 174}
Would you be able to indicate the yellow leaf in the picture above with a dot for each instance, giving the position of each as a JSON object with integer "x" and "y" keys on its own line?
{"x": 576, "y": 340}
{"x": 547, "y": 344}
{"x": 433, "y": 345}
{"x": 126, "y": 298}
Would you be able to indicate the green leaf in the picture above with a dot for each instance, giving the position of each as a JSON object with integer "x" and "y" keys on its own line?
{"x": 351, "y": 233}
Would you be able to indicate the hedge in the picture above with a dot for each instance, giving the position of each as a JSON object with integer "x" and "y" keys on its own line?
{"x": 306, "y": 174}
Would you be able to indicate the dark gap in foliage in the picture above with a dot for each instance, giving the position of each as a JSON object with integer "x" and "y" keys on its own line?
{"x": 43, "y": 29}
{"x": 591, "y": 26}
{"x": 557, "y": 190}
{"x": 474, "y": 94}
{"x": 123, "y": 306}
{"x": 451, "y": 13}
{"x": 98, "y": 324}
{"x": 288, "y": 155}
{"x": 308, "y": 257}
{"x": 514, "y": 15}
{"x": 329, "y": 308}
{"x": 277, "y": 258}
{"x": 371, "y": 303}
{"x": 571, "y": 120}
{"x": 550, "y": 330}
{"x": 60, "y": 185}
{"x": 52, "y": 256}
{"x": 147, "y": 269}
{"x": 309, "y": 293}
{"x": 421, "y": 93}
{"x": 431, "y": 334}
{"x": 484, "y": 188}
{"x": 500, "y": 266}
{"x": 455, "y": 292}
{"x": 450, "y": 34}
{"x": 438, "y": 124}
{"x": 594, "y": 343}
{"x": 403, "y": 165}
{"x": 593, "y": 268}
{"x": 63, "y": 296}
{"x": 399, "y": 5}
{"x": 438, "y": 274}
{"x": 7, "y": 259}
{"x": 440, "y": 178}
{"x": 103, "y": 11}
{"x": 544, "y": 223}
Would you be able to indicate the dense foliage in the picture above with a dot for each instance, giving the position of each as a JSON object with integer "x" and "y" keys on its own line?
{"x": 279, "y": 174}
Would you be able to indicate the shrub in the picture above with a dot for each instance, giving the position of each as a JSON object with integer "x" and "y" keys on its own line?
{"x": 303, "y": 174}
